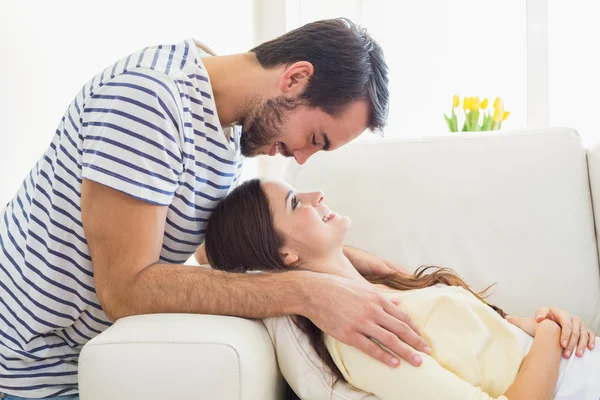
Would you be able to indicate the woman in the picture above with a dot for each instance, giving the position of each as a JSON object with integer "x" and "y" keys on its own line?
{"x": 476, "y": 354}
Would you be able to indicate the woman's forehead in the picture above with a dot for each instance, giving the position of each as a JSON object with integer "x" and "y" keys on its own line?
{"x": 277, "y": 187}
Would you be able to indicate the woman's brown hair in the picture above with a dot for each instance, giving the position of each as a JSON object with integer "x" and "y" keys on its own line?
{"x": 241, "y": 236}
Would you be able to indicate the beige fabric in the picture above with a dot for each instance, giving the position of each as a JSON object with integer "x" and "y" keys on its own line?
{"x": 476, "y": 354}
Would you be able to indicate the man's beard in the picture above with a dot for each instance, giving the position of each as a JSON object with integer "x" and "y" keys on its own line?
{"x": 264, "y": 129}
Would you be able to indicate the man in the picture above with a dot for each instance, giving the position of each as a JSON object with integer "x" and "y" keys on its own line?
{"x": 100, "y": 228}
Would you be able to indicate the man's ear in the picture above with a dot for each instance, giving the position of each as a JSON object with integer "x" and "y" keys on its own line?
{"x": 288, "y": 258}
{"x": 295, "y": 77}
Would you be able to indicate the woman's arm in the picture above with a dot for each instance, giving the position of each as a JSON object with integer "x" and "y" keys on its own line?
{"x": 537, "y": 377}
{"x": 573, "y": 330}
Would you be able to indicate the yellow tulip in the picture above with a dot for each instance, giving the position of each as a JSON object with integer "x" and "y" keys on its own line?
{"x": 484, "y": 104}
{"x": 475, "y": 103}
{"x": 455, "y": 101}
{"x": 506, "y": 115}
{"x": 467, "y": 103}
{"x": 498, "y": 103}
{"x": 498, "y": 114}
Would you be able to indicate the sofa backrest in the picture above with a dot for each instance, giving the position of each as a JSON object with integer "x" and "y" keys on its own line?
{"x": 511, "y": 208}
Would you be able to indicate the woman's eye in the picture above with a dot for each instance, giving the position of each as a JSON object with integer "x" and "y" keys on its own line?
{"x": 294, "y": 202}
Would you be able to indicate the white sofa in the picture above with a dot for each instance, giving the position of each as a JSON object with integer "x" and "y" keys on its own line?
{"x": 512, "y": 208}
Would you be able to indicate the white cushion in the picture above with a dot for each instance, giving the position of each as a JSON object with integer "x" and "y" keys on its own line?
{"x": 303, "y": 369}
{"x": 506, "y": 207}
{"x": 180, "y": 356}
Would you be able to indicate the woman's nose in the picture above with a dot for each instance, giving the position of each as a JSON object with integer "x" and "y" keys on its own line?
{"x": 313, "y": 198}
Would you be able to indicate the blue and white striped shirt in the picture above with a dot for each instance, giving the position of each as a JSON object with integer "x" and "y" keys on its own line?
{"x": 147, "y": 126}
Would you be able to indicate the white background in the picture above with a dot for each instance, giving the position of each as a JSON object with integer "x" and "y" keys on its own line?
{"x": 574, "y": 66}
{"x": 51, "y": 48}
{"x": 438, "y": 48}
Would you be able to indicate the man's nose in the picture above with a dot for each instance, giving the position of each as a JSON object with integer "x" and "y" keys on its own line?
{"x": 303, "y": 154}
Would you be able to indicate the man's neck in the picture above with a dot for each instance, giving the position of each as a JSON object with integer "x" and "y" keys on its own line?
{"x": 237, "y": 81}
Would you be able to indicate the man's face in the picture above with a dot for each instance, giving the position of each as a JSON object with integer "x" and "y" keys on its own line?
{"x": 289, "y": 127}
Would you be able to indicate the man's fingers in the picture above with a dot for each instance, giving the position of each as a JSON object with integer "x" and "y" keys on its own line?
{"x": 402, "y": 331}
{"x": 372, "y": 349}
{"x": 395, "y": 311}
{"x": 396, "y": 346}
{"x": 408, "y": 321}
{"x": 573, "y": 335}
{"x": 402, "y": 325}
{"x": 592, "y": 342}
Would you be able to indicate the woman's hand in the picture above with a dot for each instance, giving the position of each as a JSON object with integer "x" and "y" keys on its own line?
{"x": 370, "y": 264}
{"x": 574, "y": 333}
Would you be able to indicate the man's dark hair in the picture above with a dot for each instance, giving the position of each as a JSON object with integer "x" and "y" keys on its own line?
{"x": 349, "y": 66}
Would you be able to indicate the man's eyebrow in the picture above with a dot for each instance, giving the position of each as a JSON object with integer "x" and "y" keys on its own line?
{"x": 291, "y": 192}
{"x": 327, "y": 143}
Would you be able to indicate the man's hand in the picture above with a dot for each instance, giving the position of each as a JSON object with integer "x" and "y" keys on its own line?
{"x": 370, "y": 264}
{"x": 354, "y": 313}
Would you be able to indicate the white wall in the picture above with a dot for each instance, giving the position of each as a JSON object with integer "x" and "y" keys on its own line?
{"x": 574, "y": 66}
{"x": 49, "y": 49}
{"x": 437, "y": 48}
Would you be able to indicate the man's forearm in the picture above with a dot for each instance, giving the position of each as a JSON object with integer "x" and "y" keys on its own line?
{"x": 162, "y": 288}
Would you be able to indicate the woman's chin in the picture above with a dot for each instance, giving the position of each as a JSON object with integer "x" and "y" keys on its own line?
{"x": 340, "y": 224}
{"x": 346, "y": 222}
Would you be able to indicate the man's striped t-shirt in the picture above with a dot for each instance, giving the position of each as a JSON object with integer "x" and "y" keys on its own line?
{"x": 146, "y": 126}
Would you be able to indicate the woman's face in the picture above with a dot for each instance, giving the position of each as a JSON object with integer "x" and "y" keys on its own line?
{"x": 310, "y": 229}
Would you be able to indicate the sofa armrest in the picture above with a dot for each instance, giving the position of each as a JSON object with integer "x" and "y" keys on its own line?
{"x": 180, "y": 356}
{"x": 593, "y": 160}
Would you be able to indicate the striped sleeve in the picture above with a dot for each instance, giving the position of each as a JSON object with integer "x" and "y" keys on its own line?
{"x": 131, "y": 136}
{"x": 238, "y": 175}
